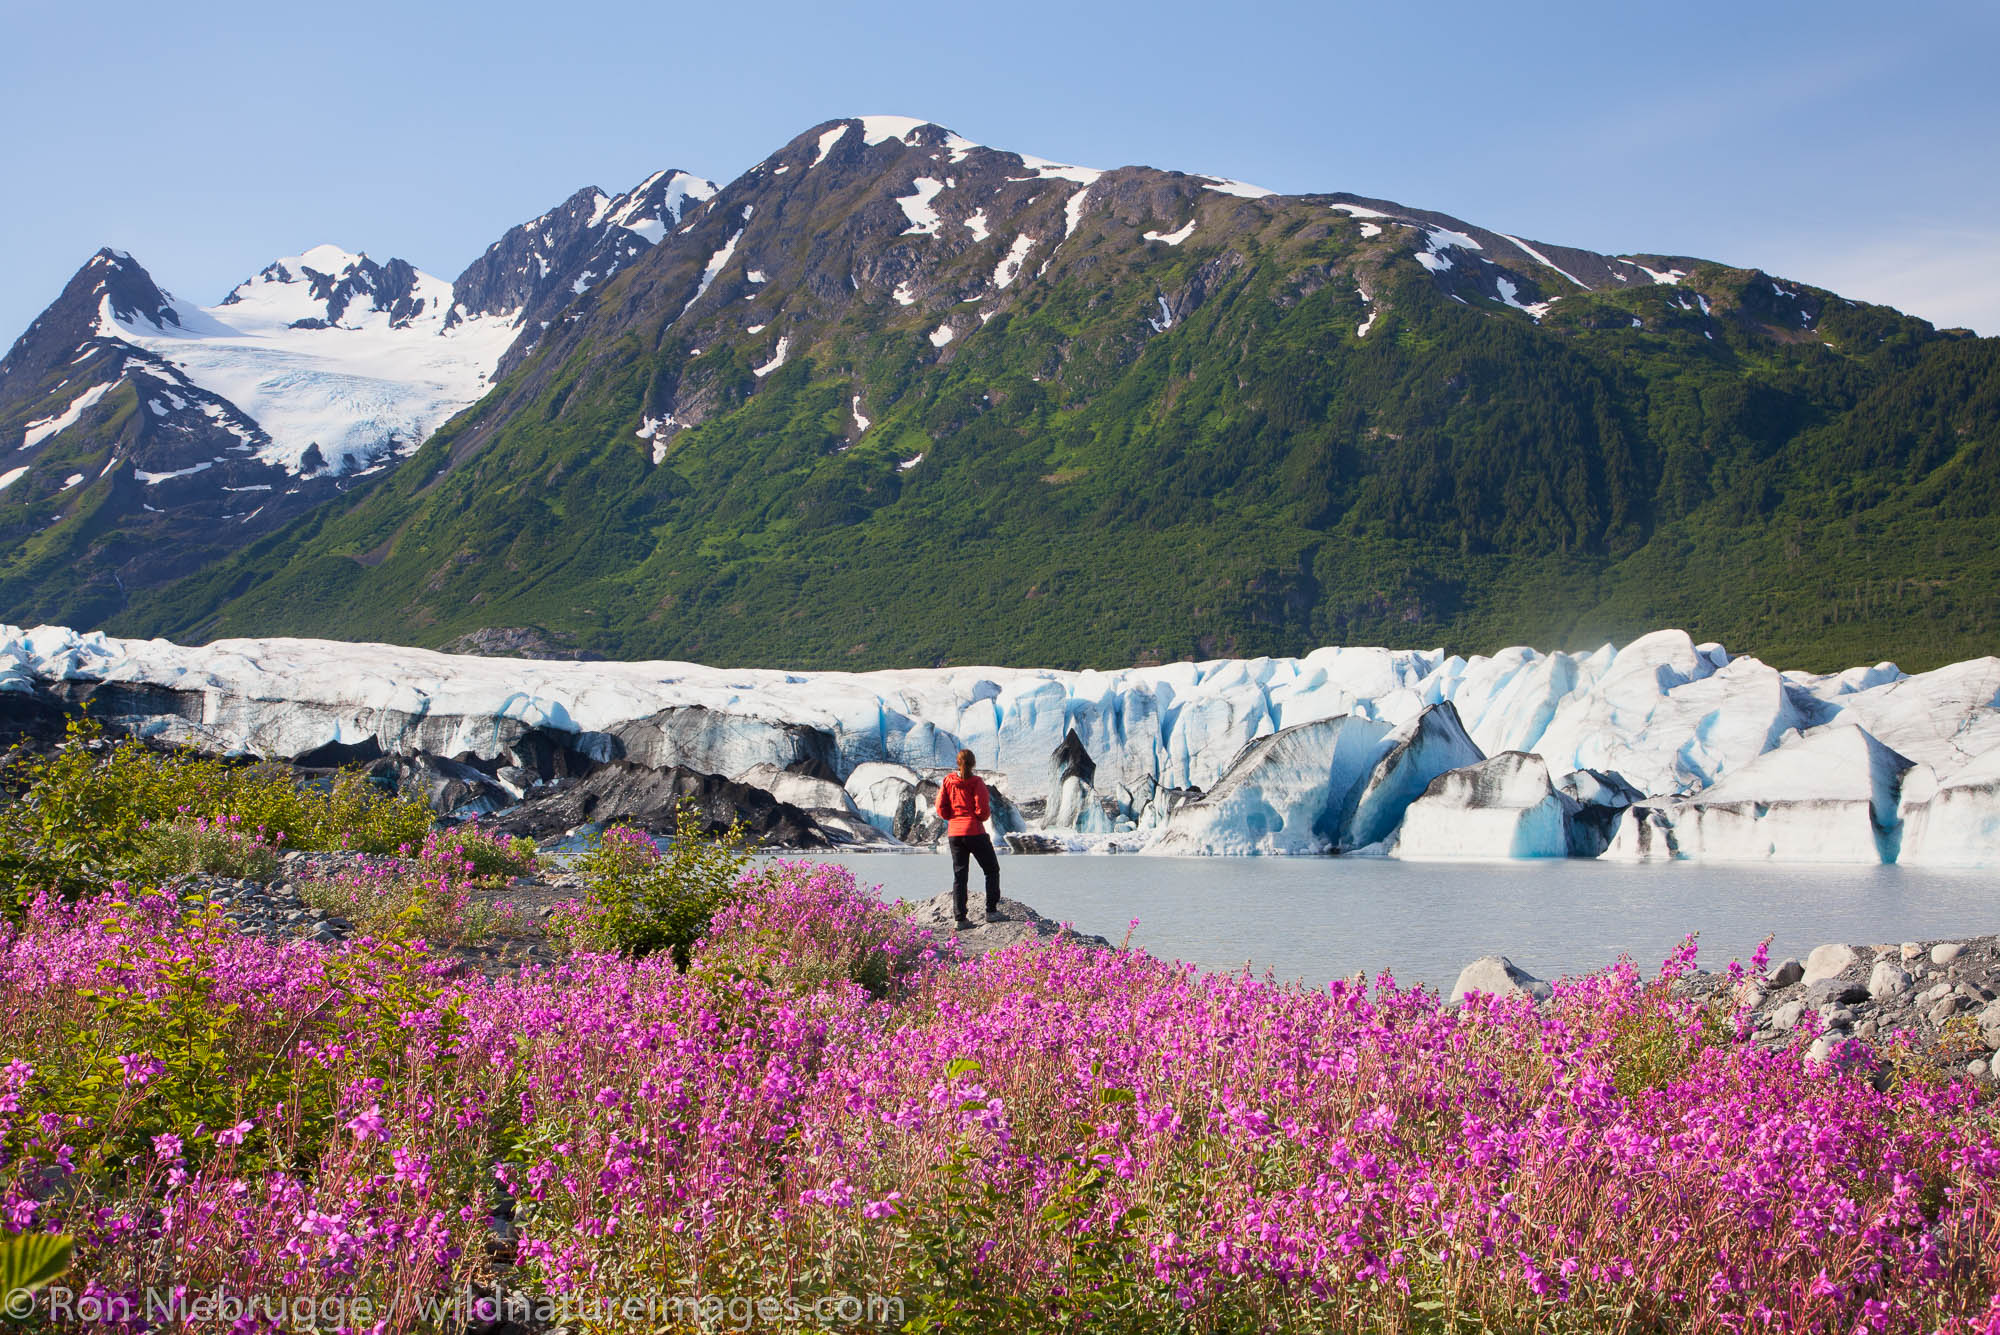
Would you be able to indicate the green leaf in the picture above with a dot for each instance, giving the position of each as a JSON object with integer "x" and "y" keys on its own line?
{"x": 30, "y": 1261}
{"x": 961, "y": 1066}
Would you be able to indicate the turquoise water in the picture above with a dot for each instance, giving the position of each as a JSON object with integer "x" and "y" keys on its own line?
{"x": 1314, "y": 919}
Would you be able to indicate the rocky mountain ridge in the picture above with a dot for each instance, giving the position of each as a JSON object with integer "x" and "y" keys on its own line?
{"x": 722, "y": 422}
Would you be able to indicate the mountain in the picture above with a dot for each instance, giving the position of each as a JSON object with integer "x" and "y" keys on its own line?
{"x": 894, "y": 397}
{"x": 157, "y": 436}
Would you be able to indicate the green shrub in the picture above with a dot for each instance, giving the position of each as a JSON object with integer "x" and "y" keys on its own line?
{"x": 85, "y": 815}
{"x": 638, "y": 899}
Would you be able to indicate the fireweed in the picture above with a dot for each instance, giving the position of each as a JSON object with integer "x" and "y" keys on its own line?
{"x": 428, "y": 892}
{"x": 1047, "y": 1138}
{"x": 218, "y": 846}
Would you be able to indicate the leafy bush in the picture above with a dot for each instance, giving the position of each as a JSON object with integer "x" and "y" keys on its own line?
{"x": 639, "y": 900}
{"x": 82, "y": 816}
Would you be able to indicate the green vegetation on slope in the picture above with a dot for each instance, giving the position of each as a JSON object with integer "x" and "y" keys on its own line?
{"x": 1256, "y": 479}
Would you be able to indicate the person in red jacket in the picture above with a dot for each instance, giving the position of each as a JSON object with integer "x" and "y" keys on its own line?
{"x": 964, "y": 805}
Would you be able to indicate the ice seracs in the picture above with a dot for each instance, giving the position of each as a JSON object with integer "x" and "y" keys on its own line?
{"x": 1504, "y": 807}
{"x": 1284, "y": 794}
{"x": 1664, "y": 748}
{"x": 1827, "y": 796}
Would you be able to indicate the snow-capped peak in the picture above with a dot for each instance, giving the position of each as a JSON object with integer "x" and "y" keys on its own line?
{"x": 655, "y": 204}
{"x": 339, "y": 359}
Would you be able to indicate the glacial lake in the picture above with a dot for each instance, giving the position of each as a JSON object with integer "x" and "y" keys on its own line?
{"x": 1315, "y": 919}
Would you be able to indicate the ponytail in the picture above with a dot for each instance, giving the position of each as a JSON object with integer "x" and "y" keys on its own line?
{"x": 965, "y": 762}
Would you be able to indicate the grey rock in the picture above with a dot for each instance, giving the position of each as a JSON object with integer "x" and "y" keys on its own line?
{"x": 1946, "y": 952}
{"x": 1828, "y": 961}
{"x": 1019, "y": 924}
{"x": 1931, "y": 995}
{"x": 1787, "y": 1016}
{"x": 1888, "y": 981}
{"x": 1867, "y": 1030}
{"x": 1945, "y": 1009}
{"x": 1911, "y": 952}
{"x": 1839, "y": 1017}
{"x": 1836, "y": 1050}
{"x": 1835, "y": 991}
{"x": 1496, "y": 975}
{"x": 1787, "y": 973}
{"x": 1976, "y": 1067}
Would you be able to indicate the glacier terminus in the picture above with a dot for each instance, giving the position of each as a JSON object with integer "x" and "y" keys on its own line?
{"x": 1661, "y": 749}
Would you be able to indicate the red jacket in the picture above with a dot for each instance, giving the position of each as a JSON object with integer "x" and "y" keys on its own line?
{"x": 964, "y": 805}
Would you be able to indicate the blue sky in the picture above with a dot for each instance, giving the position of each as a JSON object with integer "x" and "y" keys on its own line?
{"x": 1852, "y": 145}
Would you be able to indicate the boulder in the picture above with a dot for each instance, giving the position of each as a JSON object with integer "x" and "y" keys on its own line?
{"x": 1018, "y": 924}
{"x": 1787, "y": 973}
{"x": 1887, "y": 981}
{"x": 1787, "y": 1016}
{"x": 1835, "y": 992}
{"x": 1827, "y": 961}
{"x": 1946, "y": 952}
{"x": 1496, "y": 975}
{"x": 1502, "y": 807}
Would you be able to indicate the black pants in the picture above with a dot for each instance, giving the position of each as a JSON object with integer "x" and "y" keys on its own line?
{"x": 978, "y": 847}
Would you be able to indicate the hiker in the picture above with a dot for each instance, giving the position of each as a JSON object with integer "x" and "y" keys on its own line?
{"x": 964, "y": 805}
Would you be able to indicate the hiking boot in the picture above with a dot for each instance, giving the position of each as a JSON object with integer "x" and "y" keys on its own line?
{"x": 995, "y": 915}
{"x": 960, "y": 924}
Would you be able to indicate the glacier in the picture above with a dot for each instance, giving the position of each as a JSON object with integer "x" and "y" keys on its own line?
{"x": 1662, "y": 748}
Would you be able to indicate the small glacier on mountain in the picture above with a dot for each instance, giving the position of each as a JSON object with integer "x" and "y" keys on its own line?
{"x": 1662, "y": 749}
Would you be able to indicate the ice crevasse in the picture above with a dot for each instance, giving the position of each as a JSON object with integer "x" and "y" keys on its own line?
{"x": 1661, "y": 748}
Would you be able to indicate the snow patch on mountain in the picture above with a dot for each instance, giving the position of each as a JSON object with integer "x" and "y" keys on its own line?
{"x": 826, "y": 143}
{"x": 1009, "y": 268}
{"x": 1545, "y": 261}
{"x": 713, "y": 268}
{"x": 777, "y": 359}
{"x": 924, "y": 219}
{"x": 39, "y": 431}
{"x": 880, "y": 129}
{"x": 1073, "y": 211}
{"x": 1173, "y": 238}
{"x": 1510, "y": 295}
{"x": 1222, "y": 185}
